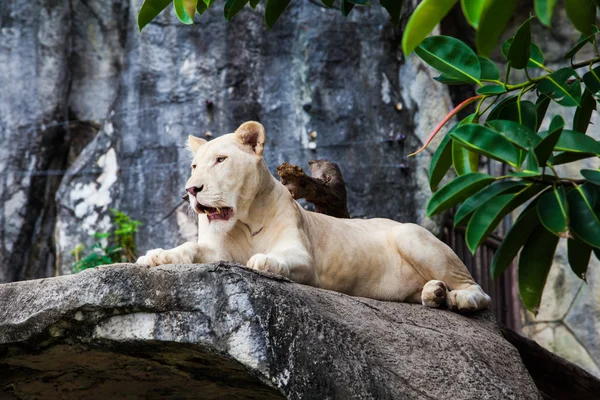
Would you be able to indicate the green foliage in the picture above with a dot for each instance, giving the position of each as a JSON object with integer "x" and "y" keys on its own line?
{"x": 504, "y": 127}
{"x": 561, "y": 207}
{"x": 534, "y": 264}
{"x": 150, "y": 10}
{"x": 120, "y": 248}
{"x": 451, "y": 57}
{"x": 494, "y": 17}
{"x": 427, "y": 15}
{"x": 544, "y": 10}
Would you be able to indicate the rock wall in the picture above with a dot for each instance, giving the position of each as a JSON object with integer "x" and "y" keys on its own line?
{"x": 94, "y": 115}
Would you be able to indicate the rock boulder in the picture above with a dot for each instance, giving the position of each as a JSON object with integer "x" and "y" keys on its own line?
{"x": 222, "y": 331}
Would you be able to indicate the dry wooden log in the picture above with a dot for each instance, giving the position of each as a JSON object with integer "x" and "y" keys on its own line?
{"x": 325, "y": 189}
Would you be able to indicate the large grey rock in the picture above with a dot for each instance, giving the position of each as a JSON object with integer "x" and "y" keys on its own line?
{"x": 84, "y": 91}
{"x": 221, "y": 331}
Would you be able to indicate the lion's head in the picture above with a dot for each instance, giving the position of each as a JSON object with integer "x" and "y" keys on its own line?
{"x": 227, "y": 173}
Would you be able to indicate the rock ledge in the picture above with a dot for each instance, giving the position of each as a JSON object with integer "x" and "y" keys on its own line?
{"x": 221, "y": 331}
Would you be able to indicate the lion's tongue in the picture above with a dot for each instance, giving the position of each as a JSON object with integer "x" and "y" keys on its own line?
{"x": 222, "y": 213}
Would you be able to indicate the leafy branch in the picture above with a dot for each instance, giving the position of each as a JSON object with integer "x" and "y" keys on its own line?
{"x": 557, "y": 207}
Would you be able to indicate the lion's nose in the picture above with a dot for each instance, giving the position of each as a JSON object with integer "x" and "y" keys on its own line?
{"x": 194, "y": 190}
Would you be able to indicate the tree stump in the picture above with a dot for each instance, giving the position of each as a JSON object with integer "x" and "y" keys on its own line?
{"x": 325, "y": 189}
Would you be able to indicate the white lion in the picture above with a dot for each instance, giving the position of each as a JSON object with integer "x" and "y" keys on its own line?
{"x": 247, "y": 216}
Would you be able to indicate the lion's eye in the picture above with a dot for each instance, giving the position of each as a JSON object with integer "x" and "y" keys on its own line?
{"x": 193, "y": 166}
{"x": 220, "y": 159}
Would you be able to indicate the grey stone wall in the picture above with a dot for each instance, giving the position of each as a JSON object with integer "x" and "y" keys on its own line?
{"x": 84, "y": 92}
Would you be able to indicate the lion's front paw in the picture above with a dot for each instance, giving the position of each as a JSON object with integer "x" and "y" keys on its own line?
{"x": 268, "y": 263}
{"x": 160, "y": 257}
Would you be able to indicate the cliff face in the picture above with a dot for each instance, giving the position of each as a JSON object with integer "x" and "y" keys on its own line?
{"x": 222, "y": 331}
{"x": 94, "y": 115}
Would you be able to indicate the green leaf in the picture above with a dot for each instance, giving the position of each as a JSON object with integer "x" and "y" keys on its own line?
{"x": 346, "y": 7}
{"x": 531, "y": 162}
{"x": 440, "y": 162}
{"x": 494, "y": 17}
{"x": 543, "y": 150}
{"x": 204, "y": 5}
{"x": 472, "y": 203}
{"x": 534, "y": 264}
{"x": 488, "y": 142}
{"x": 450, "y": 56}
{"x": 491, "y": 90}
{"x": 442, "y": 158}
{"x": 579, "y": 257}
{"x": 556, "y": 86}
{"x": 423, "y": 20}
{"x": 150, "y": 10}
{"x": 274, "y": 9}
{"x": 328, "y": 3}
{"x": 592, "y": 175}
{"x": 541, "y": 106}
{"x": 566, "y": 157}
{"x": 552, "y": 211}
{"x": 232, "y": 7}
{"x": 583, "y": 40}
{"x": 523, "y": 112}
{"x": 456, "y": 191}
{"x": 181, "y": 13}
{"x": 190, "y": 7}
{"x": 518, "y": 134}
{"x": 514, "y": 240}
{"x": 583, "y": 114}
{"x": 576, "y": 142}
{"x": 592, "y": 80}
{"x": 488, "y": 215}
{"x": 582, "y": 14}
{"x": 254, "y": 3}
{"x": 394, "y": 8}
{"x": 544, "y": 10}
{"x": 472, "y": 11}
{"x": 500, "y": 106}
{"x": 489, "y": 71}
{"x": 448, "y": 80}
{"x": 536, "y": 57}
{"x": 463, "y": 160}
{"x": 518, "y": 53}
{"x": 583, "y": 204}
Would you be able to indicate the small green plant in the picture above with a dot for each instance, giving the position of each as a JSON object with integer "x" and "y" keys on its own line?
{"x": 120, "y": 245}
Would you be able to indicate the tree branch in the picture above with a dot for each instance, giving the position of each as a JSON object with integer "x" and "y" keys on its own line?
{"x": 325, "y": 189}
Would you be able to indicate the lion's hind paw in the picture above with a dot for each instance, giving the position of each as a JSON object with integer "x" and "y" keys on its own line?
{"x": 434, "y": 294}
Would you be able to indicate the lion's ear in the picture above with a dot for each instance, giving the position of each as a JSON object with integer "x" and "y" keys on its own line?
{"x": 194, "y": 143}
{"x": 251, "y": 135}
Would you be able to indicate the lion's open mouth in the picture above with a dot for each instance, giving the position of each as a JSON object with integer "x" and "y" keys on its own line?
{"x": 222, "y": 213}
